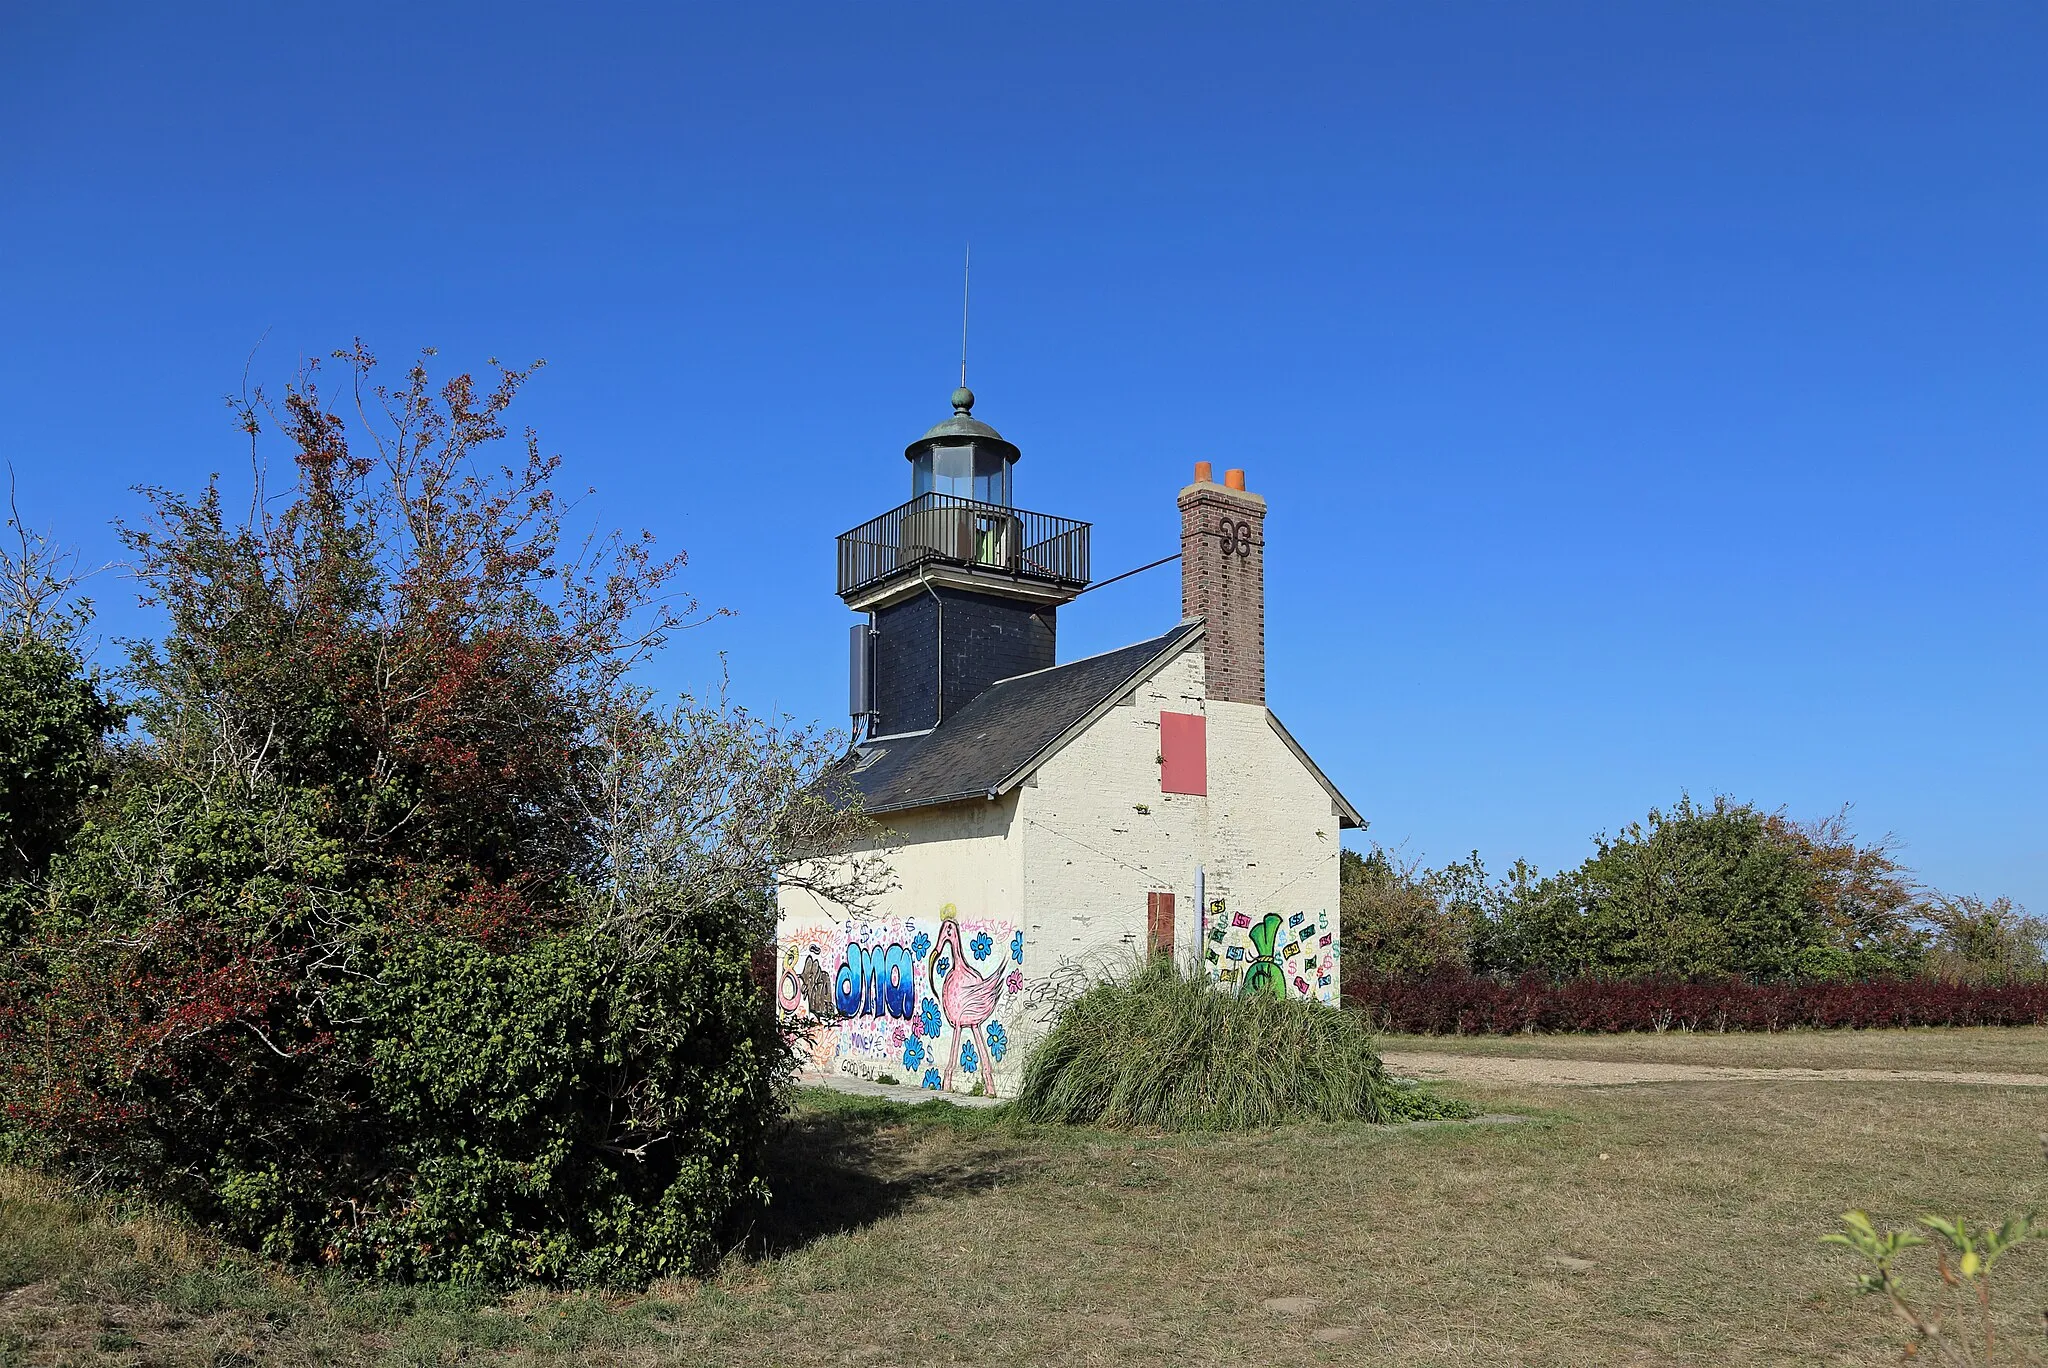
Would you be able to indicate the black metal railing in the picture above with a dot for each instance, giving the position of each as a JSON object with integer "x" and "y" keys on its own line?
{"x": 943, "y": 529}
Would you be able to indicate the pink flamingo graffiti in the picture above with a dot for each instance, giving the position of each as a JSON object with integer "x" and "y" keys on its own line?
{"x": 966, "y": 997}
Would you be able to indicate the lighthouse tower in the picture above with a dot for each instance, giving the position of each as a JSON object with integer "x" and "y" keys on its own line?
{"x": 959, "y": 585}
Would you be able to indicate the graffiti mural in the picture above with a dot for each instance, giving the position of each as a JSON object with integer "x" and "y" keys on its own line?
{"x": 921, "y": 1001}
{"x": 1294, "y": 955}
{"x": 1047, "y": 997}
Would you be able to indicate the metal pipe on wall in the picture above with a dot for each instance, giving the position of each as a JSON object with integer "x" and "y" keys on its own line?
{"x": 939, "y": 675}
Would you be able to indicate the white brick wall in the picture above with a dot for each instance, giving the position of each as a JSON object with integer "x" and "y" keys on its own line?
{"x": 1070, "y": 856}
{"x": 1090, "y": 853}
{"x": 1266, "y": 835}
{"x": 966, "y": 854}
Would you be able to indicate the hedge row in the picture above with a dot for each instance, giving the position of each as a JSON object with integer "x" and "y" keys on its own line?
{"x": 1464, "y": 1004}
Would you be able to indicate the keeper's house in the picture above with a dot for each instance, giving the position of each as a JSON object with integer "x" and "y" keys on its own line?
{"x": 1048, "y": 820}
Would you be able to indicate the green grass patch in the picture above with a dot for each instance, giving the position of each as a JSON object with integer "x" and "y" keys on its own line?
{"x": 936, "y": 1114}
{"x": 1697, "y": 1207}
{"x": 1160, "y": 1048}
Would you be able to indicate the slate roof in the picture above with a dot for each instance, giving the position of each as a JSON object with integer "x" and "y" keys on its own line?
{"x": 988, "y": 742}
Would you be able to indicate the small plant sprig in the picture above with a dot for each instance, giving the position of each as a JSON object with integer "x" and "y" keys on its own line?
{"x": 1964, "y": 1259}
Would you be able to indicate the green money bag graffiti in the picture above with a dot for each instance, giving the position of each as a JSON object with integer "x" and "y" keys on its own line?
{"x": 1264, "y": 974}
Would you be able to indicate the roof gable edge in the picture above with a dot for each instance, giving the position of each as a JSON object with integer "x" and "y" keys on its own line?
{"x": 1196, "y": 630}
{"x": 1349, "y": 815}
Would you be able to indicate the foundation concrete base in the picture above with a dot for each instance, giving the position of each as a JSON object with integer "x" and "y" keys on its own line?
{"x": 893, "y": 1092}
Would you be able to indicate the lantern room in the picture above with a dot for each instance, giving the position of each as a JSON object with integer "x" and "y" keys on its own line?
{"x": 962, "y": 522}
{"x": 963, "y": 458}
{"x": 959, "y": 584}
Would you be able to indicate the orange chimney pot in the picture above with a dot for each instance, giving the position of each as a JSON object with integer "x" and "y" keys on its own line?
{"x": 1233, "y": 479}
{"x": 1204, "y": 473}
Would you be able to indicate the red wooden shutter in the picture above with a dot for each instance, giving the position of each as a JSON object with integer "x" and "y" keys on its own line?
{"x": 1159, "y": 923}
{"x": 1183, "y": 753}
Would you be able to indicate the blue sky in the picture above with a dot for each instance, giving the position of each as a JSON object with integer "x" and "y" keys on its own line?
{"x": 1649, "y": 397}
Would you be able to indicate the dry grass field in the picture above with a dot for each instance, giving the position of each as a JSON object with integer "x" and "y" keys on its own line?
{"x": 1654, "y": 1224}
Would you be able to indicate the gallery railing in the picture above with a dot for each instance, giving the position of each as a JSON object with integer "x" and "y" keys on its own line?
{"x": 944, "y": 529}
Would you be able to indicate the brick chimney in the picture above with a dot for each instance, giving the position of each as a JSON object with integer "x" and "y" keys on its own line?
{"x": 1223, "y": 580}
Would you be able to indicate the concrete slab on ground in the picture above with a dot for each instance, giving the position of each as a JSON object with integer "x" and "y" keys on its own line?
{"x": 893, "y": 1092}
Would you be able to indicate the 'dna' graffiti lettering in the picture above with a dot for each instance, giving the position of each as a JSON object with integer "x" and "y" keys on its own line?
{"x": 874, "y": 980}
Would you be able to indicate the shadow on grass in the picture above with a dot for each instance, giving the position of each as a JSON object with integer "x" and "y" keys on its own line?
{"x": 841, "y": 1163}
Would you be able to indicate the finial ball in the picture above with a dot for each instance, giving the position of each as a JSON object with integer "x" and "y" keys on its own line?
{"x": 963, "y": 400}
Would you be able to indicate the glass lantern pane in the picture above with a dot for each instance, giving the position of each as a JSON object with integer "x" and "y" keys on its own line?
{"x": 953, "y": 470}
{"x": 991, "y": 478}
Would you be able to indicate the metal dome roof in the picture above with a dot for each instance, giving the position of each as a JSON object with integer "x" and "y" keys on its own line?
{"x": 963, "y": 425}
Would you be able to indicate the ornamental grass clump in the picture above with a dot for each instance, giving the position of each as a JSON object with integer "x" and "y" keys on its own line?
{"x": 1159, "y": 1048}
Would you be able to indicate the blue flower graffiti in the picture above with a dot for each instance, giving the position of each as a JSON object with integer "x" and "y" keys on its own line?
{"x": 967, "y": 1057}
{"x": 998, "y": 1041}
{"x": 932, "y": 1020}
{"x": 981, "y": 945}
{"x": 942, "y": 968}
{"x": 920, "y": 945}
{"x": 1017, "y": 949}
{"x": 931, "y": 1079}
{"x": 913, "y": 1053}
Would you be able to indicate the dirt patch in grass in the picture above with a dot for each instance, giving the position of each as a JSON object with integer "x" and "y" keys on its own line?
{"x": 1658, "y": 1224}
{"x": 1598, "y": 1073}
{"x": 1984, "y": 1049}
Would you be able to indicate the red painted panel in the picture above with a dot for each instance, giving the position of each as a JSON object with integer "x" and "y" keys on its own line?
{"x": 1183, "y": 753}
{"x": 1159, "y": 923}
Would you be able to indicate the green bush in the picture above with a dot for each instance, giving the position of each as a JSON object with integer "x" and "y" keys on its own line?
{"x": 294, "y": 1060}
{"x": 1692, "y": 892}
{"x": 53, "y": 720}
{"x": 1393, "y": 923}
{"x": 1160, "y": 1048}
{"x": 409, "y": 937}
{"x": 1980, "y": 941}
{"x": 1698, "y": 892}
{"x": 568, "y": 1112}
{"x": 1402, "y": 920}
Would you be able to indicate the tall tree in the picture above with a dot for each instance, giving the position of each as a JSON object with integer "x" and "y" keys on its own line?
{"x": 54, "y": 714}
{"x": 1696, "y": 891}
{"x": 413, "y": 936}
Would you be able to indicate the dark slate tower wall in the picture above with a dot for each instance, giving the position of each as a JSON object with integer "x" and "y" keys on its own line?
{"x": 985, "y": 638}
{"x": 989, "y": 638}
{"x": 906, "y": 666}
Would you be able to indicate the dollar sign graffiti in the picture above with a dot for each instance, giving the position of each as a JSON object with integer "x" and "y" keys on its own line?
{"x": 1264, "y": 974}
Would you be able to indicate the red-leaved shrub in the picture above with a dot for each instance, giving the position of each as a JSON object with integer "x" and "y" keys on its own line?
{"x": 1458, "y": 1003}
